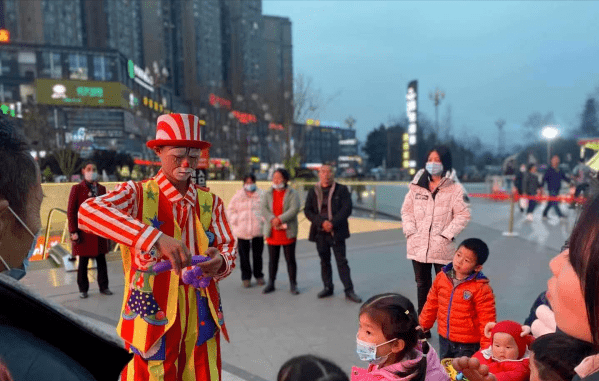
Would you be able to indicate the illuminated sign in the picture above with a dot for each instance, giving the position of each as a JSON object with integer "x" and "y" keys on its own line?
{"x": 348, "y": 142}
{"x": 140, "y": 76}
{"x": 217, "y": 101}
{"x": 204, "y": 161}
{"x": 244, "y": 118}
{"x": 410, "y": 137}
{"x": 254, "y": 159}
{"x": 82, "y": 93}
{"x": 312, "y": 122}
{"x": 4, "y": 36}
{"x": 275, "y": 126}
{"x": 7, "y": 110}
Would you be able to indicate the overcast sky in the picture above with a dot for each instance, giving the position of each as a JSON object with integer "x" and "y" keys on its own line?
{"x": 493, "y": 59}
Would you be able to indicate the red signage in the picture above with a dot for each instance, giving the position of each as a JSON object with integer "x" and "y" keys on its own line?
{"x": 4, "y": 36}
{"x": 204, "y": 161}
{"x": 217, "y": 101}
{"x": 275, "y": 126}
{"x": 245, "y": 118}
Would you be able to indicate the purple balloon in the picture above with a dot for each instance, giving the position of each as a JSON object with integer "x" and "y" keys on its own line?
{"x": 194, "y": 277}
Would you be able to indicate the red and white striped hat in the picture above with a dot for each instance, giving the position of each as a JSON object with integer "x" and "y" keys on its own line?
{"x": 180, "y": 130}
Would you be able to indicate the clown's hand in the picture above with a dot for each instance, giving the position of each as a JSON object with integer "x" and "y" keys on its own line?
{"x": 472, "y": 369}
{"x": 545, "y": 322}
{"x": 212, "y": 267}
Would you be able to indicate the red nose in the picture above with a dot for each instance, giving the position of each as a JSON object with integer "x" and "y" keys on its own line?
{"x": 185, "y": 164}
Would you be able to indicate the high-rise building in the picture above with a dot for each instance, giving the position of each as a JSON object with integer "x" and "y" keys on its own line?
{"x": 241, "y": 24}
{"x": 277, "y": 67}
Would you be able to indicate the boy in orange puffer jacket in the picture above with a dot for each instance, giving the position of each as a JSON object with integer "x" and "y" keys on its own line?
{"x": 461, "y": 301}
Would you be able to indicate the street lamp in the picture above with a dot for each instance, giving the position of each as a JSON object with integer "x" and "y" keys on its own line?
{"x": 549, "y": 133}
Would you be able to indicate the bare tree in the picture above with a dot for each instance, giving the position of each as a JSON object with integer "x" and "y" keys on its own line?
{"x": 67, "y": 160}
{"x": 37, "y": 128}
{"x": 350, "y": 121}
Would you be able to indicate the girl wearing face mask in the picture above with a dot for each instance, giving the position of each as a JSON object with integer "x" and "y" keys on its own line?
{"x": 389, "y": 339}
{"x": 86, "y": 245}
{"x": 433, "y": 214}
{"x": 280, "y": 206}
{"x": 246, "y": 222}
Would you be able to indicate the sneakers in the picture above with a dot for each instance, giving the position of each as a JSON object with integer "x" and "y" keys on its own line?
{"x": 529, "y": 217}
{"x": 326, "y": 292}
{"x": 246, "y": 283}
{"x": 106, "y": 292}
{"x": 352, "y": 297}
{"x": 83, "y": 295}
{"x": 260, "y": 282}
{"x": 293, "y": 289}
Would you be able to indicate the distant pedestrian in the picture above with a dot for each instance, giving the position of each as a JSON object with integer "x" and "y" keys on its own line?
{"x": 581, "y": 174}
{"x": 247, "y": 224}
{"x": 86, "y": 245}
{"x": 519, "y": 187}
{"x": 328, "y": 207}
{"x": 280, "y": 206}
{"x": 531, "y": 188}
{"x": 553, "y": 178}
{"x": 433, "y": 213}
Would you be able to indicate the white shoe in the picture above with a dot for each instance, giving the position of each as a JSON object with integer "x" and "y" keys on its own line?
{"x": 529, "y": 217}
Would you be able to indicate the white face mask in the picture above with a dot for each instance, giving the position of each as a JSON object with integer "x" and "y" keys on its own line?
{"x": 90, "y": 176}
{"x": 435, "y": 169}
{"x": 367, "y": 351}
{"x": 278, "y": 186}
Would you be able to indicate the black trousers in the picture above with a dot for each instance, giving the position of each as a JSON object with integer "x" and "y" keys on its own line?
{"x": 424, "y": 281}
{"x": 82, "y": 280}
{"x": 324, "y": 244}
{"x": 274, "y": 252}
{"x": 257, "y": 246}
{"x": 553, "y": 204}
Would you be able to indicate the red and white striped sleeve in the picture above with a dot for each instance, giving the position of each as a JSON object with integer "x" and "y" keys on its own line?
{"x": 224, "y": 239}
{"x": 111, "y": 216}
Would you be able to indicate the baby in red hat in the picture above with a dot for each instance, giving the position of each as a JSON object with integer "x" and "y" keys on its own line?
{"x": 508, "y": 355}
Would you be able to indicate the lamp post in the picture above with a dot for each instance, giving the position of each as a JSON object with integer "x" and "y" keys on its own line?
{"x": 549, "y": 133}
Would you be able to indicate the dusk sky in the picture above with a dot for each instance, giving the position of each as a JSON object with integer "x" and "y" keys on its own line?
{"x": 493, "y": 59}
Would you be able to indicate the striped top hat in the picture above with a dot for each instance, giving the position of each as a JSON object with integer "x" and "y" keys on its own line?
{"x": 180, "y": 130}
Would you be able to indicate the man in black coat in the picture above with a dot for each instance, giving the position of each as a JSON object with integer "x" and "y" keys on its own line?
{"x": 328, "y": 206}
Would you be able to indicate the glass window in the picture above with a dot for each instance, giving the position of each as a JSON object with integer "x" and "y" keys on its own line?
{"x": 102, "y": 71}
{"x": 77, "y": 66}
{"x": 8, "y": 63}
{"x": 51, "y": 65}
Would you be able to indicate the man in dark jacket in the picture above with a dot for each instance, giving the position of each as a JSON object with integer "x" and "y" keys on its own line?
{"x": 328, "y": 206}
{"x": 553, "y": 178}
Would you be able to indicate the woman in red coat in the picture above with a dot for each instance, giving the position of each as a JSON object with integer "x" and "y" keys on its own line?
{"x": 86, "y": 245}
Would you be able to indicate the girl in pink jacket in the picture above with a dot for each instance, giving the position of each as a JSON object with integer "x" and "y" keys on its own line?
{"x": 246, "y": 222}
{"x": 389, "y": 340}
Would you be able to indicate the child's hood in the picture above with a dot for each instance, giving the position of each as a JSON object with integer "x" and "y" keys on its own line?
{"x": 476, "y": 276}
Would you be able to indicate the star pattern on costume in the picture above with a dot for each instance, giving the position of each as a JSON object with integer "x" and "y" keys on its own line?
{"x": 155, "y": 223}
{"x": 151, "y": 195}
{"x": 140, "y": 282}
{"x": 205, "y": 208}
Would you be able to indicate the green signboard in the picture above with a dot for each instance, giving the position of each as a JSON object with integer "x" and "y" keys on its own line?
{"x": 82, "y": 93}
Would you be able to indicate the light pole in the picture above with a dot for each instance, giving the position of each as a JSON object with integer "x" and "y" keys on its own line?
{"x": 549, "y": 133}
{"x": 437, "y": 97}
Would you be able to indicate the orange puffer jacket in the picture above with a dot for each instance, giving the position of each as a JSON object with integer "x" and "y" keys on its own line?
{"x": 461, "y": 312}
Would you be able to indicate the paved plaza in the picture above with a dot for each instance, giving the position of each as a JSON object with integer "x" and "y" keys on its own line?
{"x": 266, "y": 330}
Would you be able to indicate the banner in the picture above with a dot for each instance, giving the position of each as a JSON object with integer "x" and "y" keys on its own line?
{"x": 67, "y": 92}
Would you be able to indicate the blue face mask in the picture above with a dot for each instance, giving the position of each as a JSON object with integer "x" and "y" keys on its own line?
{"x": 19, "y": 273}
{"x": 250, "y": 187}
{"x": 435, "y": 169}
{"x": 367, "y": 351}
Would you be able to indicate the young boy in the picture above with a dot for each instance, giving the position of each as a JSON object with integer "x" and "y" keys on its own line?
{"x": 461, "y": 301}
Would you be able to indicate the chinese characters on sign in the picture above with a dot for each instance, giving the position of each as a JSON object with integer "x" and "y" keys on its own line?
{"x": 409, "y": 139}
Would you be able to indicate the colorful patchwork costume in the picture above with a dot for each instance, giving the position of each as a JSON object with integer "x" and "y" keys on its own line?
{"x": 172, "y": 327}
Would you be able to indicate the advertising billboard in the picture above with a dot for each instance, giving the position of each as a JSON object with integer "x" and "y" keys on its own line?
{"x": 66, "y": 92}
{"x": 409, "y": 139}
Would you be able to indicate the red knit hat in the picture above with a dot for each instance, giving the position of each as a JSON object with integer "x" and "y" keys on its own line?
{"x": 514, "y": 330}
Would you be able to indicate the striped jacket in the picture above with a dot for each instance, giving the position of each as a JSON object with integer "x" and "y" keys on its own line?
{"x": 117, "y": 216}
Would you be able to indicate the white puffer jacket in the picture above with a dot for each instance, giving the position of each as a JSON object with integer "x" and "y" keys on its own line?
{"x": 244, "y": 214}
{"x": 430, "y": 224}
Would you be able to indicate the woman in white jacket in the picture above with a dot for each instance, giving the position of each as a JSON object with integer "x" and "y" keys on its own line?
{"x": 246, "y": 221}
{"x": 433, "y": 213}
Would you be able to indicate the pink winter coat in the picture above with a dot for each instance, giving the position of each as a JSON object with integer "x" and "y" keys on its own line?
{"x": 431, "y": 224}
{"x": 434, "y": 369}
{"x": 244, "y": 215}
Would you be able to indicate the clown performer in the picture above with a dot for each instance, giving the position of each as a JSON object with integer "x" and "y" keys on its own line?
{"x": 171, "y": 324}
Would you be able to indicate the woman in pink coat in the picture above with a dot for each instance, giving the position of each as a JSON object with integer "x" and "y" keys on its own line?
{"x": 245, "y": 220}
{"x": 433, "y": 213}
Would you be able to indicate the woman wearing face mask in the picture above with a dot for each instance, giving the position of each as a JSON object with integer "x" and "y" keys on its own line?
{"x": 86, "y": 245}
{"x": 433, "y": 214}
{"x": 246, "y": 222}
{"x": 280, "y": 206}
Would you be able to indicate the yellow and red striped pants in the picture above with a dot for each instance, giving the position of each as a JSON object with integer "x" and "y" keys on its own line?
{"x": 179, "y": 358}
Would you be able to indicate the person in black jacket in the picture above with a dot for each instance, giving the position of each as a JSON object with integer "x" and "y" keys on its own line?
{"x": 328, "y": 206}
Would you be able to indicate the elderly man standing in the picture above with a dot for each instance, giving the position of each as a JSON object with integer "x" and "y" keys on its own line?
{"x": 171, "y": 320}
{"x": 328, "y": 207}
